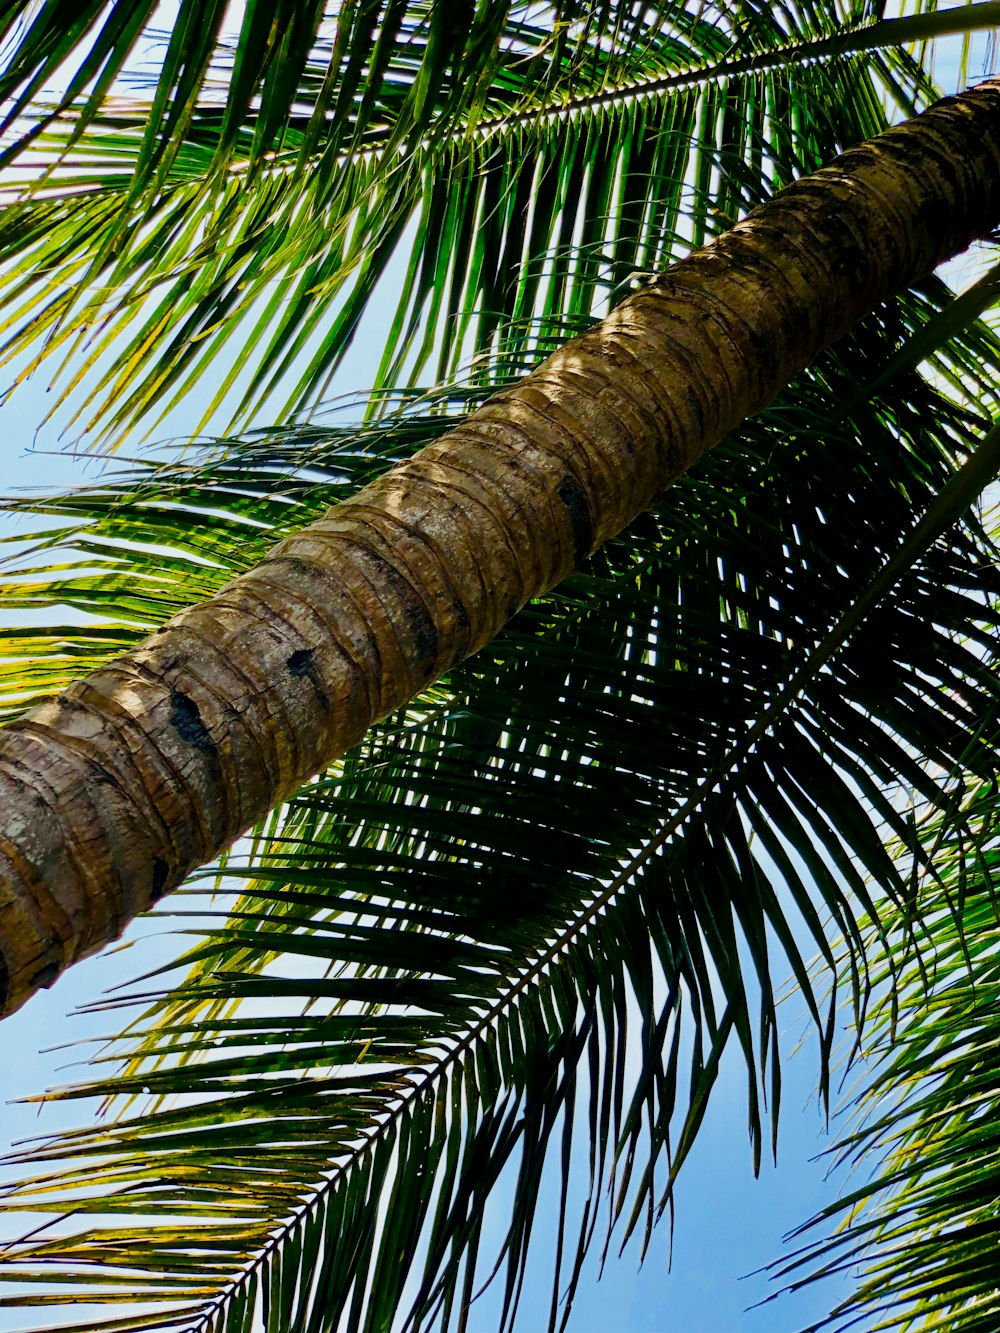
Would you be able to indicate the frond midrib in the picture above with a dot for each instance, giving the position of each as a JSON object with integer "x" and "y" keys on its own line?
{"x": 883, "y": 34}
{"x": 924, "y": 533}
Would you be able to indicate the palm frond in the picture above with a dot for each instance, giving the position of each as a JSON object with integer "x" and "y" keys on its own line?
{"x": 596, "y": 847}
{"x": 920, "y": 1228}
{"x": 263, "y": 202}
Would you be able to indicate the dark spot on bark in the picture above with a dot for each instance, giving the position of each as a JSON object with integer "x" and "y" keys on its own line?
{"x": 45, "y": 975}
{"x": 461, "y": 615}
{"x": 186, "y": 721}
{"x": 160, "y": 872}
{"x": 758, "y": 339}
{"x": 68, "y": 702}
{"x": 418, "y": 619}
{"x": 424, "y": 631}
{"x": 694, "y": 403}
{"x": 302, "y": 663}
{"x": 572, "y": 495}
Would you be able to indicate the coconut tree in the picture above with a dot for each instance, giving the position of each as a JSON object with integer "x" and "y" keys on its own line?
{"x": 534, "y": 904}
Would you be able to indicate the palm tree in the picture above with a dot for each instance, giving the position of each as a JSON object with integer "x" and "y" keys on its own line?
{"x": 631, "y": 812}
{"x": 158, "y": 761}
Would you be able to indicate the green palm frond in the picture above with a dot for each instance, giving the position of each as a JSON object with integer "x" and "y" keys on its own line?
{"x": 920, "y": 1229}
{"x": 598, "y": 847}
{"x": 252, "y": 203}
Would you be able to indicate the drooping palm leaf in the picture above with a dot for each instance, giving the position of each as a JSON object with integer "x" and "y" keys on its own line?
{"x": 518, "y": 166}
{"x": 576, "y": 853}
{"x": 920, "y": 1226}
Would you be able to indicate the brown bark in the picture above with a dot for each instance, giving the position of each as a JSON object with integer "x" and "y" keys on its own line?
{"x": 111, "y": 792}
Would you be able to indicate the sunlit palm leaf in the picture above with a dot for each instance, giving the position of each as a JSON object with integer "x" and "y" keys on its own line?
{"x": 576, "y": 852}
{"x": 257, "y": 209}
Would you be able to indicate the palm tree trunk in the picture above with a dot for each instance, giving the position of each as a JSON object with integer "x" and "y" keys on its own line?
{"x": 111, "y": 792}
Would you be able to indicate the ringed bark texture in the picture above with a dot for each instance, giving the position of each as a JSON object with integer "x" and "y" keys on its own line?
{"x": 111, "y": 792}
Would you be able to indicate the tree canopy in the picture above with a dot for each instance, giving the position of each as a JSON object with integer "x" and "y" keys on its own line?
{"x": 752, "y": 738}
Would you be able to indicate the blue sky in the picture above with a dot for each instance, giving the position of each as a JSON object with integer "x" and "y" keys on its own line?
{"x": 728, "y": 1223}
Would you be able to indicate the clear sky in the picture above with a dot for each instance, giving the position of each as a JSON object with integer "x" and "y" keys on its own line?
{"x": 728, "y": 1224}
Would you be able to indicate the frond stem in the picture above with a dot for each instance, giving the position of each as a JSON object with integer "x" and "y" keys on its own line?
{"x": 887, "y": 32}
{"x": 959, "y": 492}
